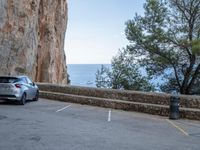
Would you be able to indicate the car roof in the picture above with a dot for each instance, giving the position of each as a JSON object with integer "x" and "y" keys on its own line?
{"x": 13, "y": 76}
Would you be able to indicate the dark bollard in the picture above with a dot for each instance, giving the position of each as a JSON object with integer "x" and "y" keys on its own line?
{"x": 174, "y": 107}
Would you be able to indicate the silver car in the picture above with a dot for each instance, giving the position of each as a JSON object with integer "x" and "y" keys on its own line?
{"x": 18, "y": 88}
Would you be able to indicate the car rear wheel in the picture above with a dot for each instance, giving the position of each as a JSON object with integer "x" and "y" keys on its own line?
{"x": 36, "y": 96}
{"x": 23, "y": 99}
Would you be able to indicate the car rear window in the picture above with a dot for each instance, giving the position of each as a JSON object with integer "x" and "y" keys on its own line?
{"x": 8, "y": 80}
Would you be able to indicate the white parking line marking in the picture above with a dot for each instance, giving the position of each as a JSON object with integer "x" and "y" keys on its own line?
{"x": 109, "y": 116}
{"x": 177, "y": 127}
{"x": 63, "y": 108}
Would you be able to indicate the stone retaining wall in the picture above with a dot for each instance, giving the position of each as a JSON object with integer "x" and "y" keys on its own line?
{"x": 109, "y": 103}
{"x": 132, "y": 96}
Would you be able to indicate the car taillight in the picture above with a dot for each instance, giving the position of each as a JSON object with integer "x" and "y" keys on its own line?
{"x": 17, "y": 85}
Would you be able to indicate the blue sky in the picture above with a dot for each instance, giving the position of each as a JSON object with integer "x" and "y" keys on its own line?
{"x": 95, "y": 29}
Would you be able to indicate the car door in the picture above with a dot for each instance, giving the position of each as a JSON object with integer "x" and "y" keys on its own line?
{"x": 26, "y": 87}
{"x": 32, "y": 90}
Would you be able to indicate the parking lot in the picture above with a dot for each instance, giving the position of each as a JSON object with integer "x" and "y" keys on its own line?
{"x": 53, "y": 125}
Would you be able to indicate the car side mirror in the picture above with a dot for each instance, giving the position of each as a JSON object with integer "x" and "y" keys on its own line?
{"x": 32, "y": 84}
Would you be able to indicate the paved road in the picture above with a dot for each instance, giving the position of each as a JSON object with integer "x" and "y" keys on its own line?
{"x": 52, "y": 125}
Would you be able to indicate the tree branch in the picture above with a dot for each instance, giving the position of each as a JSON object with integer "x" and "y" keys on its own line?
{"x": 187, "y": 75}
{"x": 194, "y": 77}
{"x": 176, "y": 75}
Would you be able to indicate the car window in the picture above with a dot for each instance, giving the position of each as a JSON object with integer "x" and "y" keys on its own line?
{"x": 8, "y": 80}
{"x": 24, "y": 80}
{"x": 29, "y": 81}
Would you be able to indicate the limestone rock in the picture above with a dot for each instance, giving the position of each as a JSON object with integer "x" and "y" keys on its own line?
{"x": 32, "y": 36}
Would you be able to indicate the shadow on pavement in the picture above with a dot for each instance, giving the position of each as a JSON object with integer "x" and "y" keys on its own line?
{"x": 5, "y": 102}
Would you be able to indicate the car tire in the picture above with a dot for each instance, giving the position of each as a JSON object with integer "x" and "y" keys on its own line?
{"x": 23, "y": 99}
{"x": 36, "y": 96}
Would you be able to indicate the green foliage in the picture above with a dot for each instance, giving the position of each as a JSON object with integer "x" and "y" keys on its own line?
{"x": 166, "y": 39}
{"x": 68, "y": 79}
{"x": 124, "y": 74}
{"x": 102, "y": 78}
{"x": 196, "y": 47}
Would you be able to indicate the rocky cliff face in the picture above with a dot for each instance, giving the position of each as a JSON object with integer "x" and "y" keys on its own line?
{"x": 32, "y": 36}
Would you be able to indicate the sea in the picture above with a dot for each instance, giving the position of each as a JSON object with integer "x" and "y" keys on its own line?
{"x": 84, "y": 74}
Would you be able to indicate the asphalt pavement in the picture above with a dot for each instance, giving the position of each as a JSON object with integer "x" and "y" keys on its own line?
{"x": 53, "y": 125}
